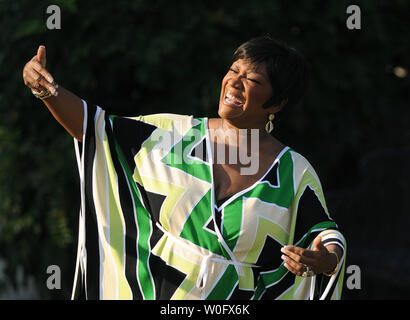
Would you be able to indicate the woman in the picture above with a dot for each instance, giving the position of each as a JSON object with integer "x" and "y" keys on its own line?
{"x": 164, "y": 215}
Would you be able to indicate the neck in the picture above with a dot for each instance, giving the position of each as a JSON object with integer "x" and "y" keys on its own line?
{"x": 229, "y": 125}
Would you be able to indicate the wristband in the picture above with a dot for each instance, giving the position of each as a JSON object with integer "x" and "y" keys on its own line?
{"x": 336, "y": 268}
{"x": 41, "y": 95}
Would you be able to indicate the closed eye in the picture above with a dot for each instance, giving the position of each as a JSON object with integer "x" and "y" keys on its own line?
{"x": 250, "y": 79}
{"x": 253, "y": 80}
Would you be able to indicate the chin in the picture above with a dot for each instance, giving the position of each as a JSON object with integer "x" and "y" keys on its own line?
{"x": 227, "y": 112}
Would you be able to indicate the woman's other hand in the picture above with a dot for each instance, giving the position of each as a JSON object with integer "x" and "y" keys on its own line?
{"x": 320, "y": 259}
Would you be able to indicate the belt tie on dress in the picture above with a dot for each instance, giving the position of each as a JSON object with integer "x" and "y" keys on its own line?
{"x": 204, "y": 270}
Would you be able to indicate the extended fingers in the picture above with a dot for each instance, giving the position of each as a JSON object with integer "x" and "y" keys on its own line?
{"x": 36, "y": 77}
{"x": 293, "y": 266}
{"x": 32, "y": 78}
{"x": 48, "y": 86}
{"x": 36, "y": 81}
{"x": 44, "y": 73}
{"x": 297, "y": 268}
{"x": 300, "y": 255}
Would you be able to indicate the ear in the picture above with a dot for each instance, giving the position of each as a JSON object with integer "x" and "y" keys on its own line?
{"x": 282, "y": 104}
{"x": 277, "y": 107}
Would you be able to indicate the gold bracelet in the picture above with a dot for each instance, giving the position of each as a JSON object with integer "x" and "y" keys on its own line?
{"x": 336, "y": 268}
{"x": 41, "y": 95}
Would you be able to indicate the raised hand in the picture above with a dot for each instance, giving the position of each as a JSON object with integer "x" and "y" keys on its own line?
{"x": 36, "y": 76}
{"x": 65, "y": 106}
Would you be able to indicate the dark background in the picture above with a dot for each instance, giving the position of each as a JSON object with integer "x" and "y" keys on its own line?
{"x": 142, "y": 57}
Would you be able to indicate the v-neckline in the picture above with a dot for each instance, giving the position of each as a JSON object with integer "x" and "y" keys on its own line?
{"x": 231, "y": 198}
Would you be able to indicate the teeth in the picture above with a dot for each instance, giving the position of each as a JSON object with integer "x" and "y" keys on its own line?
{"x": 230, "y": 96}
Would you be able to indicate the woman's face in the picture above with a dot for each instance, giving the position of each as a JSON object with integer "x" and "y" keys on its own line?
{"x": 245, "y": 88}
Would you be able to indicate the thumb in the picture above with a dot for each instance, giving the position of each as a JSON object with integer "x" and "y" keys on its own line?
{"x": 317, "y": 244}
{"x": 41, "y": 55}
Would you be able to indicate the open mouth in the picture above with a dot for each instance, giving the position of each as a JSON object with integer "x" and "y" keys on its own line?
{"x": 233, "y": 100}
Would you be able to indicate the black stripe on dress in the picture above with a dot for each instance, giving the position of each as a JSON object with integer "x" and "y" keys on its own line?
{"x": 127, "y": 206}
{"x": 91, "y": 229}
{"x": 274, "y": 291}
{"x": 310, "y": 212}
{"x": 130, "y": 135}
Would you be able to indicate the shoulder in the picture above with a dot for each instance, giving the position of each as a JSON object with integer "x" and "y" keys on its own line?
{"x": 299, "y": 159}
{"x": 165, "y": 121}
{"x": 302, "y": 167}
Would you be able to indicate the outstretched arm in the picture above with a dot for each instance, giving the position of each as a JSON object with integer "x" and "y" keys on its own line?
{"x": 65, "y": 106}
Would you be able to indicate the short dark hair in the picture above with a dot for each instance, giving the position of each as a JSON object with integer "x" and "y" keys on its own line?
{"x": 287, "y": 69}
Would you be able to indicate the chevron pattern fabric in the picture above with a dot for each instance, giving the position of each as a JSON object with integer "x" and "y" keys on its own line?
{"x": 151, "y": 228}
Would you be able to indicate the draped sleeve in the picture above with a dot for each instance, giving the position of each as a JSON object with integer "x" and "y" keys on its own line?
{"x": 288, "y": 207}
{"x": 115, "y": 227}
{"x": 310, "y": 218}
{"x": 136, "y": 198}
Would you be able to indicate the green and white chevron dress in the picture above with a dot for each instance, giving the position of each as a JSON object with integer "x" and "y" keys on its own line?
{"x": 151, "y": 228}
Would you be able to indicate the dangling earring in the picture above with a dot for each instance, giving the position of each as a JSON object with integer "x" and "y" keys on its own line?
{"x": 269, "y": 124}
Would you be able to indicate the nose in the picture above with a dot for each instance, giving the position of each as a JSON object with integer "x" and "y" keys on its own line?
{"x": 236, "y": 81}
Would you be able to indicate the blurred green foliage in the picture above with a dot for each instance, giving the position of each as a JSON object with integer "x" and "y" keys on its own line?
{"x": 140, "y": 57}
